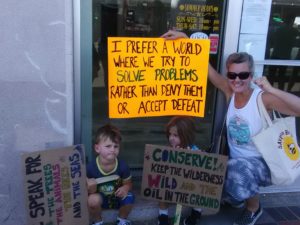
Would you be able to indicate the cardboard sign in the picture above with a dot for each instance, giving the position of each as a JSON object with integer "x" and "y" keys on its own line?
{"x": 155, "y": 77}
{"x": 183, "y": 176}
{"x": 55, "y": 186}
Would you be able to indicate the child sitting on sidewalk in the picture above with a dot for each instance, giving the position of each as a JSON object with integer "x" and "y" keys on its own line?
{"x": 180, "y": 132}
{"x": 109, "y": 179}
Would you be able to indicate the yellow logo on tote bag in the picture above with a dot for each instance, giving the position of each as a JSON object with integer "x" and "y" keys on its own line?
{"x": 286, "y": 142}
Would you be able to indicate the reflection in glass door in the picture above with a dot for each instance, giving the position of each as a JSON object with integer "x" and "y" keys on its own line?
{"x": 283, "y": 42}
{"x": 283, "y": 55}
{"x": 151, "y": 18}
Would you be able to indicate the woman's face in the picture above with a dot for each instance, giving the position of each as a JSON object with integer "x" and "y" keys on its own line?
{"x": 239, "y": 85}
{"x": 174, "y": 139}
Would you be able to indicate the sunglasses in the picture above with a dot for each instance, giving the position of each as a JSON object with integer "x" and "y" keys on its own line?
{"x": 241, "y": 75}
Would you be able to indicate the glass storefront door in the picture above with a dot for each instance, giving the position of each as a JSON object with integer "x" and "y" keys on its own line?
{"x": 283, "y": 56}
{"x": 283, "y": 42}
{"x": 150, "y": 18}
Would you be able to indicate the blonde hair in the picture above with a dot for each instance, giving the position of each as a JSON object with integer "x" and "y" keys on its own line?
{"x": 240, "y": 57}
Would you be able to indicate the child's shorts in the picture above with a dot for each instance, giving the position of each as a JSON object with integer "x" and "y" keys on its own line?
{"x": 113, "y": 202}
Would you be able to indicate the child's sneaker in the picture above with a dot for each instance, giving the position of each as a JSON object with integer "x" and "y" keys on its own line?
{"x": 248, "y": 217}
{"x": 123, "y": 222}
{"x": 163, "y": 219}
{"x": 192, "y": 219}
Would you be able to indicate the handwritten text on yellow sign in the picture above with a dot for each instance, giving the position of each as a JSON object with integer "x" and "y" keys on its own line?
{"x": 155, "y": 77}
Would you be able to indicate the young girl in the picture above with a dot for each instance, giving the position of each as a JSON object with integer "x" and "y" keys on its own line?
{"x": 180, "y": 133}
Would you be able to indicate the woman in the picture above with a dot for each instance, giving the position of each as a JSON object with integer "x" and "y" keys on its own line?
{"x": 246, "y": 170}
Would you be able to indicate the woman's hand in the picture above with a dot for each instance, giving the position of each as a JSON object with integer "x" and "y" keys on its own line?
{"x": 173, "y": 35}
{"x": 279, "y": 100}
{"x": 263, "y": 83}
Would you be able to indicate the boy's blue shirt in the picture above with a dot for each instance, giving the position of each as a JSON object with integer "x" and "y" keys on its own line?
{"x": 121, "y": 169}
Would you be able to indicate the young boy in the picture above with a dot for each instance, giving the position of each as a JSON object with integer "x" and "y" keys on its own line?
{"x": 109, "y": 178}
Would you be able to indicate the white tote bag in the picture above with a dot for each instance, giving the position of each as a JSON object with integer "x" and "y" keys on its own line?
{"x": 277, "y": 142}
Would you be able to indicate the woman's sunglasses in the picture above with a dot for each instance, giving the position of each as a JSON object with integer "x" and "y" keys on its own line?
{"x": 241, "y": 75}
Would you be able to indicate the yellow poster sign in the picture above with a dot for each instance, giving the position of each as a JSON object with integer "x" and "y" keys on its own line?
{"x": 154, "y": 77}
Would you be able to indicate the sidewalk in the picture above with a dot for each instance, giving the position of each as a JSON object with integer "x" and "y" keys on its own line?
{"x": 278, "y": 209}
{"x": 278, "y": 215}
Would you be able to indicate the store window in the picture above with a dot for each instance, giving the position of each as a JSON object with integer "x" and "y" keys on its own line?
{"x": 283, "y": 47}
{"x": 151, "y": 18}
{"x": 270, "y": 31}
{"x": 283, "y": 43}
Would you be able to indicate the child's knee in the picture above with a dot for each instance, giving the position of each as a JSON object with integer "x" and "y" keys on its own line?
{"x": 94, "y": 200}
